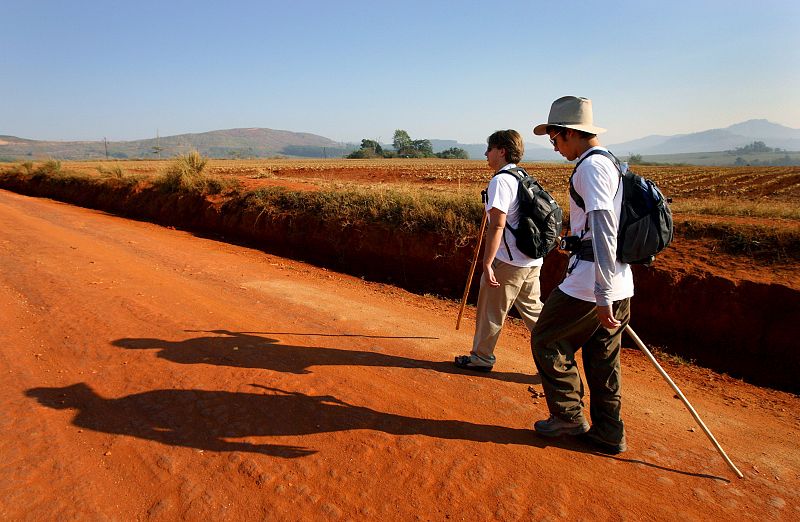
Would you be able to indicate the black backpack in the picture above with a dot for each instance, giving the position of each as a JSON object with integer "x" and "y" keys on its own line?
{"x": 540, "y": 217}
{"x": 645, "y": 226}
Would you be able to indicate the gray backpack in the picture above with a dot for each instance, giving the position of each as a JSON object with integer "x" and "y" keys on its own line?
{"x": 645, "y": 225}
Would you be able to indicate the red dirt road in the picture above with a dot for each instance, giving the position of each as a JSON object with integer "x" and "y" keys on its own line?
{"x": 148, "y": 374}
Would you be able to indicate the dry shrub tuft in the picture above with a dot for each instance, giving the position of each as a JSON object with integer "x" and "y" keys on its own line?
{"x": 49, "y": 168}
{"x": 185, "y": 174}
{"x": 112, "y": 172}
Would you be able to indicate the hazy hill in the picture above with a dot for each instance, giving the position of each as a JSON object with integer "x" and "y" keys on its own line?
{"x": 715, "y": 140}
{"x": 260, "y": 143}
{"x": 766, "y": 130}
{"x": 232, "y": 143}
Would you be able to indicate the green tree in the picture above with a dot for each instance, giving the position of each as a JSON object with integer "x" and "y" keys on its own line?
{"x": 361, "y": 154}
{"x": 453, "y": 153}
{"x": 635, "y": 159}
{"x": 753, "y": 148}
{"x": 369, "y": 149}
{"x": 423, "y": 148}
{"x": 401, "y": 141}
{"x": 372, "y": 145}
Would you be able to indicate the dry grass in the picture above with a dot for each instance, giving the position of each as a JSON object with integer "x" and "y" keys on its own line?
{"x": 719, "y": 206}
{"x": 741, "y": 210}
{"x": 114, "y": 171}
{"x": 757, "y": 192}
{"x": 411, "y": 210}
{"x": 186, "y": 173}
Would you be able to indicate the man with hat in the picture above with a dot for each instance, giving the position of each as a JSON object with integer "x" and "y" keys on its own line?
{"x": 591, "y": 306}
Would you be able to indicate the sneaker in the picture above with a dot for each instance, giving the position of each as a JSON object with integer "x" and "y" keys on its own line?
{"x": 603, "y": 446}
{"x": 465, "y": 362}
{"x": 554, "y": 426}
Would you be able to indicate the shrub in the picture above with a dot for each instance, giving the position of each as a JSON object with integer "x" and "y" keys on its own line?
{"x": 49, "y": 167}
{"x": 219, "y": 184}
{"x": 453, "y": 153}
{"x": 24, "y": 168}
{"x": 185, "y": 174}
{"x": 364, "y": 154}
{"x": 113, "y": 172}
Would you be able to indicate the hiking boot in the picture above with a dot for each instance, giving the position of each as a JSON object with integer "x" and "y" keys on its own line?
{"x": 554, "y": 426}
{"x": 603, "y": 446}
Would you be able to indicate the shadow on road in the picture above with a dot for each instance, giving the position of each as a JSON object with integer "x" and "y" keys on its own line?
{"x": 205, "y": 419}
{"x": 208, "y": 420}
{"x": 246, "y": 350}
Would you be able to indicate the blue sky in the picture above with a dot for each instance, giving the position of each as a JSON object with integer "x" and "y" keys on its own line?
{"x": 84, "y": 70}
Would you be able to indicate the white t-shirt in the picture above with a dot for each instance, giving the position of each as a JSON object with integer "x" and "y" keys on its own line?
{"x": 502, "y": 195}
{"x": 597, "y": 181}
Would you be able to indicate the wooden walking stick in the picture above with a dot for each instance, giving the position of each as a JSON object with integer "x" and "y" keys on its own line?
{"x": 649, "y": 355}
{"x": 471, "y": 270}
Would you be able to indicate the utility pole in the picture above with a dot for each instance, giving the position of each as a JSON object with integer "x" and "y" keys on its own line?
{"x": 157, "y": 149}
{"x": 105, "y": 144}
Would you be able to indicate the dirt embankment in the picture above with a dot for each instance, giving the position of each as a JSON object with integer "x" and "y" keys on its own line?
{"x": 733, "y": 321}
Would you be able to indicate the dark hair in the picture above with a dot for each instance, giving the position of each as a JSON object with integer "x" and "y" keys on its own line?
{"x": 511, "y": 141}
{"x": 558, "y": 128}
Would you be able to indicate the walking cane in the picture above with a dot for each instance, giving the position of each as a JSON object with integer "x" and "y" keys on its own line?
{"x": 649, "y": 355}
{"x": 471, "y": 271}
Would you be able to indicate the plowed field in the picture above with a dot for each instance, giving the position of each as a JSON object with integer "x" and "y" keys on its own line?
{"x": 773, "y": 183}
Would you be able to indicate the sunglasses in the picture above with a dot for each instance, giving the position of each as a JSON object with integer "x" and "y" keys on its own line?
{"x": 553, "y": 139}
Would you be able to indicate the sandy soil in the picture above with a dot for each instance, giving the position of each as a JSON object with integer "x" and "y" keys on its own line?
{"x": 148, "y": 374}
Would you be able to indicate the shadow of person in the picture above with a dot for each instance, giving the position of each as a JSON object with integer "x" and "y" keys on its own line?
{"x": 208, "y": 419}
{"x": 246, "y": 350}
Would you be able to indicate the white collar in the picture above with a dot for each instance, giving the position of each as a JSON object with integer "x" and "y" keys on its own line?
{"x": 596, "y": 147}
{"x": 508, "y": 166}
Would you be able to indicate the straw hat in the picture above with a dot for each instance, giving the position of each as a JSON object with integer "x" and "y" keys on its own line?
{"x": 571, "y": 112}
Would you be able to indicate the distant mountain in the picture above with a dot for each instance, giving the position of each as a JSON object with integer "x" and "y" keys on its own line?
{"x": 715, "y": 140}
{"x": 765, "y": 130}
{"x": 646, "y": 143}
{"x": 261, "y": 143}
{"x": 232, "y": 143}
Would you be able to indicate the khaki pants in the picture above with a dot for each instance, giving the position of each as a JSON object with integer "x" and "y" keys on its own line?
{"x": 565, "y": 325}
{"x": 519, "y": 286}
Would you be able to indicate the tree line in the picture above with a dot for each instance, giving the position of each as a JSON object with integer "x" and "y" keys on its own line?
{"x": 405, "y": 147}
{"x": 757, "y": 147}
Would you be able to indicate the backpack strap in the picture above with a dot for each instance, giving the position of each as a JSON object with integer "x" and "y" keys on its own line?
{"x": 574, "y": 193}
{"x": 582, "y": 204}
{"x": 517, "y": 172}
